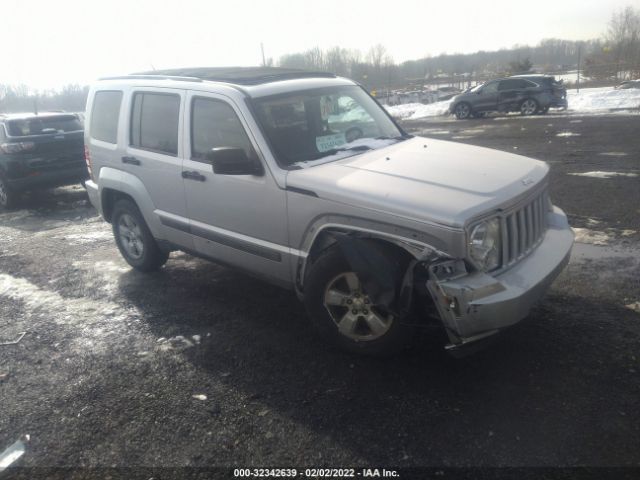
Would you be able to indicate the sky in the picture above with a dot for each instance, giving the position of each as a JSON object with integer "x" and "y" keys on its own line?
{"x": 53, "y": 43}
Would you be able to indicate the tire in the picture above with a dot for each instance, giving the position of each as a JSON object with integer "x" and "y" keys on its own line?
{"x": 8, "y": 198}
{"x": 462, "y": 111}
{"x": 133, "y": 238}
{"x": 327, "y": 298}
{"x": 528, "y": 106}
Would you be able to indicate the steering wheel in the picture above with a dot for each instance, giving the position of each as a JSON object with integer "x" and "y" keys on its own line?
{"x": 352, "y": 134}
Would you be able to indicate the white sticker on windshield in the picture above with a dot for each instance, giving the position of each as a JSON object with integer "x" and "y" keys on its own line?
{"x": 327, "y": 142}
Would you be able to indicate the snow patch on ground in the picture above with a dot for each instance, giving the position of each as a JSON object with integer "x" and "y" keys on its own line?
{"x": 568, "y": 134}
{"x": 87, "y": 237}
{"x": 94, "y": 318}
{"x": 614, "y": 154}
{"x": 599, "y": 174}
{"x": 594, "y": 237}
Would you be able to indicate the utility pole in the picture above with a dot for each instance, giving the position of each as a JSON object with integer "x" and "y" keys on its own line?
{"x": 264, "y": 63}
{"x": 578, "y": 74}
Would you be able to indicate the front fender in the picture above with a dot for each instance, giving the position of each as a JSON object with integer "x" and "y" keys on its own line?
{"x": 419, "y": 244}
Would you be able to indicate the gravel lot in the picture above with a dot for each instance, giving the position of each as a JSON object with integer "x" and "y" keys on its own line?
{"x": 198, "y": 365}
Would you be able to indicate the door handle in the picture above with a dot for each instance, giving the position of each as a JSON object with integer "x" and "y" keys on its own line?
{"x": 192, "y": 175}
{"x": 131, "y": 160}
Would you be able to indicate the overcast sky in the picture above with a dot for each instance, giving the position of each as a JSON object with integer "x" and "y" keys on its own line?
{"x": 48, "y": 43}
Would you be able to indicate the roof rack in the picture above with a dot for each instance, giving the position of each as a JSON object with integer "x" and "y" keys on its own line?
{"x": 235, "y": 75}
{"x": 153, "y": 77}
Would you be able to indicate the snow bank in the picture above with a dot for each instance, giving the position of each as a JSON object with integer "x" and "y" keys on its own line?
{"x": 413, "y": 111}
{"x": 598, "y": 99}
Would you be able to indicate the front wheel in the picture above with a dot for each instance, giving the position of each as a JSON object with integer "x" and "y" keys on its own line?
{"x": 8, "y": 198}
{"x": 462, "y": 111}
{"x": 134, "y": 239}
{"x": 343, "y": 312}
{"x": 528, "y": 106}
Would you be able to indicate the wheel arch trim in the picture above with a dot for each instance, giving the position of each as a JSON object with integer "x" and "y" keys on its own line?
{"x": 419, "y": 245}
{"x": 117, "y": 181}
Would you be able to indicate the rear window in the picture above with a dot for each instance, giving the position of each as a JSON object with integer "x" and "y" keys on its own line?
{"x": 104, "y": 118}
{"x": 43, "y": 125}
{"x": 154, "y": 122}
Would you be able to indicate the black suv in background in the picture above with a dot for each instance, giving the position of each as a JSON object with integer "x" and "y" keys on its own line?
{"x": 527, "y": 94}
{"x": 39, "y": 151}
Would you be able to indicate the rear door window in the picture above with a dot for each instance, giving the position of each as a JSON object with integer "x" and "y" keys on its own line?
{"x": 105, "y": 115}
{"x": 154, "y": 122}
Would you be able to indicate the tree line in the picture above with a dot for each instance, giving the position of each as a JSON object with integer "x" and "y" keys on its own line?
{"x": 613, "y": 57}
{"x": 20, "y": 98}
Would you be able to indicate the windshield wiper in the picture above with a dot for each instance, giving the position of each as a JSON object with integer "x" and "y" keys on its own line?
{"x": 399, "y": 137}
{"x": 333, "y": 151}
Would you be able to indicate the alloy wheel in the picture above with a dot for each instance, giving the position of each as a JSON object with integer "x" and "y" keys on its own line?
{"x": 352, "y": 310}
{"x": 131, "y": 236}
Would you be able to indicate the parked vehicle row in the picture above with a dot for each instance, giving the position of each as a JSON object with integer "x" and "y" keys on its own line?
{"x": 527, "y": 94}
{"x": 304, "y": 180}
{"x": 39, "y": 151}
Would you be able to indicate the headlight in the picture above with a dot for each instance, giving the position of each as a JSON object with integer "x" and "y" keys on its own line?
{"x": 484, "y": 244}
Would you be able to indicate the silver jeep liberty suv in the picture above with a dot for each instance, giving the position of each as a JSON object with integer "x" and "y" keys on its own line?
{"x": 304, "y": 180}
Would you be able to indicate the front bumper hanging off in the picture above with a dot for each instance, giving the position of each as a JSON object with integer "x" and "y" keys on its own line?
{"x": 477, "y": 305}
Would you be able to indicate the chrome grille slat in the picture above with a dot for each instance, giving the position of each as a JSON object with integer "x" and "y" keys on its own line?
{"x": 513, "y": 238}
{"x": 523, "y": 229}
{"x": 522, "y": 233}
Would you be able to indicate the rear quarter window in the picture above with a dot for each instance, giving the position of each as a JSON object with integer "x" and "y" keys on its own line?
{"x": 105, "y": 115}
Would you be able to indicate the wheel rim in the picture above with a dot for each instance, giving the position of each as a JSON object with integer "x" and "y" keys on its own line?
{"x": 3, "y": 193}
{"x": 130, "y": 236}
{"x": 462, "y": 110}
{"x": 528, "y": 107}
{"x": 352, "y": 310}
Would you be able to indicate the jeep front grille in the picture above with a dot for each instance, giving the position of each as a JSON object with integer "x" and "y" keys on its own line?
{"x": 523, "y": 229}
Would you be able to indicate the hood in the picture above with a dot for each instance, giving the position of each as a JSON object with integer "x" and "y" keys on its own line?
{"x": 425, "y": 180}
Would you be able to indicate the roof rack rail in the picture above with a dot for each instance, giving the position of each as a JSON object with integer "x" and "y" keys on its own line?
{"x": 244, "y": 76}
{"x": 153, "y": 77}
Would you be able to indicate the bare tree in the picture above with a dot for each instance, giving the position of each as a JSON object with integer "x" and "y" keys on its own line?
{"x": 623, "y": 36}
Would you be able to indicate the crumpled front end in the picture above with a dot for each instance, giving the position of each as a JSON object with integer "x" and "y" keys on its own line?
{"x": 476, "y": 305}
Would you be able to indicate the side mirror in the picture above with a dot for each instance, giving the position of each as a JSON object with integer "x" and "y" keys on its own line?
{"x": 233, "y": 161}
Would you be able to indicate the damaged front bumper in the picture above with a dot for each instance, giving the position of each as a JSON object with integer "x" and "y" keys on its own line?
{"x": 474, "y": 306}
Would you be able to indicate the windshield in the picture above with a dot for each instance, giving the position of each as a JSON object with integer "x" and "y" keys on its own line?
{"x": 44, "y": 125}
{"x": 315, "y": 126}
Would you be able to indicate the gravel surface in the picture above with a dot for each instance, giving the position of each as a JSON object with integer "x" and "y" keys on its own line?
{"x": 199, "y": 365}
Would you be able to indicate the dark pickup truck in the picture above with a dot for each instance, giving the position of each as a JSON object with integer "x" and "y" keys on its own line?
{"x": 39, "y": 151}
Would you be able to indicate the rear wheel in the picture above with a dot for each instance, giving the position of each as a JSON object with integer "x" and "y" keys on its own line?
{"x": 343, "y": 312}
{"x": 8, "y": 198}
{"x": 134, "y": 239}
{"x": 528, "y": 106}
{"x": 462, "y": 111}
